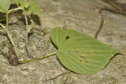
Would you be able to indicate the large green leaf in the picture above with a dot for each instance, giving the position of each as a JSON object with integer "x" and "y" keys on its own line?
{"x": 4, "y": 5}
{"x": 79, "y": 52}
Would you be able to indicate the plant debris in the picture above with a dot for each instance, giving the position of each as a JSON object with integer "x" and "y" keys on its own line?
{"x": 13, "y": 60}
{"x": 119, "y": 7}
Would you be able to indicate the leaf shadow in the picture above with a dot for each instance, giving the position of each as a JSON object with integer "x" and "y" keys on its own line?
{"x": 53, "y": 44}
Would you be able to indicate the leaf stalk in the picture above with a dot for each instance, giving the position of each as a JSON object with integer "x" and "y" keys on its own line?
{"x": 38, "y": 58}
{"x": 9, "y": 35}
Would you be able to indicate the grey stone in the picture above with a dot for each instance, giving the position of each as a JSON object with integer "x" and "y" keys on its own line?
{"x": 80, "y": 15}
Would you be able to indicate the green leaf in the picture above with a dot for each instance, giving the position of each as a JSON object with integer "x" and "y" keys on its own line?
{"x": 33, "y": 7}
{"x": 17, "y": 1}
{"x": 25, "y": 4}
{"x": 30, "y": 26}
{"x": 79, "y": 52}
{"x": 22, "y": 3}
{"x": 4, "y": 5}
{"x": 29, "y": 7}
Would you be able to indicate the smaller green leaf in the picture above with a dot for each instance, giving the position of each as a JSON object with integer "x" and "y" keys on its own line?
{"x": 25, "y": 4}
{"x": 22, "y": 3}
{"x": 33, "y": 7}
{"x": 30, "y": 26}
{"x": 4, "y": 5}
{"x": 17, "y": 1}
{"x": 29, "y": 7}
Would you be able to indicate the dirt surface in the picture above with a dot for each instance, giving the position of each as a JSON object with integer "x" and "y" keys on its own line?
{"x": 80, "y": 15}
